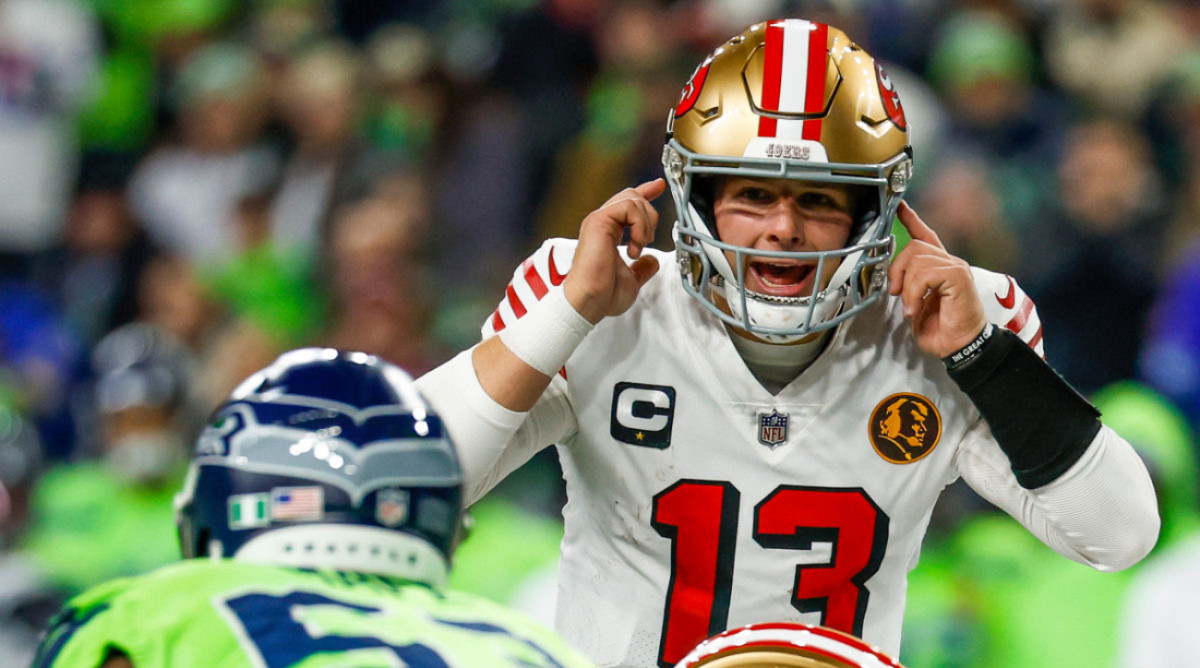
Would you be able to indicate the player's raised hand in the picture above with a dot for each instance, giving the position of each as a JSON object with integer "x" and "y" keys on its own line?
{"x": 600, "y": 283}
{"x": 937, "y": 290}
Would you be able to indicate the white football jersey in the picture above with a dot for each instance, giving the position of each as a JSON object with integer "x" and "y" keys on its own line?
{"x": 698, "y": 501}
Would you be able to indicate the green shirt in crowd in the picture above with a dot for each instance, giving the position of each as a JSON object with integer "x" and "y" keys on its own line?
{"x": 992, "y": 596}
{"x": 91, "y": 525}
{"x": 228, "y": 614}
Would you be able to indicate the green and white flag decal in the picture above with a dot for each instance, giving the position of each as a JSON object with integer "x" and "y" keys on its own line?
{"x": 249, "y": 511}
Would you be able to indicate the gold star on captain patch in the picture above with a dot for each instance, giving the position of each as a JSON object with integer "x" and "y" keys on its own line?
{"x": 639, "y": 436}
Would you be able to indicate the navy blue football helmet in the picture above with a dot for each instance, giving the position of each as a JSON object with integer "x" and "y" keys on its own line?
{"x": 325, "y": 459}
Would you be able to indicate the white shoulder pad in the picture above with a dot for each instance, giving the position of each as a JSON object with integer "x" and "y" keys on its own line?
{"x": 1006, "y": 305}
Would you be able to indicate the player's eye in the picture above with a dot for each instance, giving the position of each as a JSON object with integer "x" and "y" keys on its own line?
{"x": 819, "y": 200}
{"x": 756, "y": 195}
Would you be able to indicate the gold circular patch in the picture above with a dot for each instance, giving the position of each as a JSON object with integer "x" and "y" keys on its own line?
{"x": 904, "y": 427}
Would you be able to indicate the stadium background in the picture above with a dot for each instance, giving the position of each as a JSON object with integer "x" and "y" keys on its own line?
{"x": 188, "y": 187}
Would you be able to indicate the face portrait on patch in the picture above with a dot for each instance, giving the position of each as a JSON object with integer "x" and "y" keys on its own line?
{"x": 904, "y": 428}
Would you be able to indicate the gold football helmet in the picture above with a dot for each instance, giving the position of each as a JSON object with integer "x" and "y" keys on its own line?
{"x": 785, "y": 645}
{"x": 797, "y": 100}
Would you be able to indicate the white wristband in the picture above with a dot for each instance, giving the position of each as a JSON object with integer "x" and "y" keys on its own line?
{"x": 548, "y": 334}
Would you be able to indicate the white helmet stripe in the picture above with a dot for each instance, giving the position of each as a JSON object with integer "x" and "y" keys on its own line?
{"x": 796, "y": 56}
{"x": 793, "y": 77}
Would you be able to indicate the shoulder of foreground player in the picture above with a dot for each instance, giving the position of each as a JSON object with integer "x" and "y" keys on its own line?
{"x": 466, "y": 605}
{"x": 167, "y": 592}
{"x": 184, "y": 615}
{"x": 109, "y": 616}
{"x": 181, "y": 579}
{"x": 175, "y": 594}
{"x": 490, "y": 616}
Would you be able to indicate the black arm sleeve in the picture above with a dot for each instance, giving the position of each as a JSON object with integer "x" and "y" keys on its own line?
{"x": 1039, "y": 420}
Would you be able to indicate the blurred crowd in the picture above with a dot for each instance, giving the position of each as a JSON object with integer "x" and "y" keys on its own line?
{"x": 189, "y": 187}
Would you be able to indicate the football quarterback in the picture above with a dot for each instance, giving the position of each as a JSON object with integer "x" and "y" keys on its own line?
{"x": 317, "y": 523}
{"x": 759, "y": 432}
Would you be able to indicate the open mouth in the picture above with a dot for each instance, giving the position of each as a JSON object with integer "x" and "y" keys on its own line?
{"x": 783, "y": 279}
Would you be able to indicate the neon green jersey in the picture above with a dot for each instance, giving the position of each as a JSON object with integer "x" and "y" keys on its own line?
{"x": 226, "y": 614}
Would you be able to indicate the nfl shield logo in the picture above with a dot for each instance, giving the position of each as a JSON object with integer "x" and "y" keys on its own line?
{"x": 391, "y": 507}
{"x": 772, "y": 429}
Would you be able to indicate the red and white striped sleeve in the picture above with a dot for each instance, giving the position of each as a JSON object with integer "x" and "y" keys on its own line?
{"x": 546, "y": 268}
{"x": 492, "y": 440}
{"x": 1006, "y": 305}
{"x": 533, "y": 279}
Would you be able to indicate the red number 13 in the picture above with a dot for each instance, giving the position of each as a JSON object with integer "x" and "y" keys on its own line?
{"x": 700, "y": 518}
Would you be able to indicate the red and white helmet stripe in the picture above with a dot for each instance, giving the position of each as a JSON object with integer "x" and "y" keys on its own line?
{"x": 796, "y": 61}
{"x": 784, "y": 636}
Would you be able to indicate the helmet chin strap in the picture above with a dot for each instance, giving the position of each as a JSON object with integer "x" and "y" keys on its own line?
{"x": 784, "y": 316}
{"x": 716, "y": 256}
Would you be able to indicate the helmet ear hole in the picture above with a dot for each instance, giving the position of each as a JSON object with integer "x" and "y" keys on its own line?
{"x": 864, "y": 202}
{"x": 185, "y": 525}
{"x": 704, "y": 197}
{"x": 200, "y": 543}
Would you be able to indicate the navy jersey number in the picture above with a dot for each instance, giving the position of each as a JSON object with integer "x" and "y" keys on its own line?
{"x": 282, "y": 641}
{"x": 269, "y": 623}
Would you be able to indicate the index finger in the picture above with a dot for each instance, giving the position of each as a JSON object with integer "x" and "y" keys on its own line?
{"x": 652, "y": 189}
{"x": 917, "y": 229}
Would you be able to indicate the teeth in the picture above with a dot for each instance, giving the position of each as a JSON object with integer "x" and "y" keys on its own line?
{"x": 766, "y": 280}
